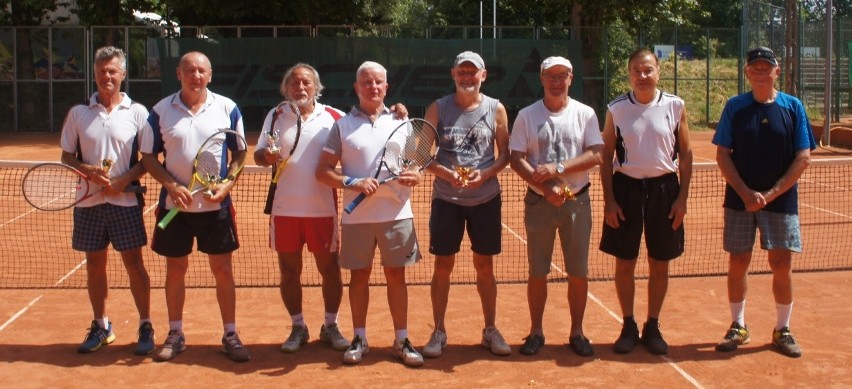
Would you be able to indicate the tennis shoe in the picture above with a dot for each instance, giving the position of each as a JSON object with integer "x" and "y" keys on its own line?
{"x": 653, "y": 339}
{"x": 628, "y": 339}
{"x": 581, "y": 346}
{"x": 786, "y": 344}
{"x": 330, "y": 333}
{"x": 737, "y": 335}
{"x": 232, "y": 346}
{"x": 175, "y": 343}
{"x": 356, "y": 351}
{"x": 493, "y": 340}
{"x": 436, "y": 344}
{"x": 145, "y": 344}
{"x": 532, "y": 344}
{"x": 406, "y": 352}
{"x": 96, "y": 338}
{"x": 298, "y": 337}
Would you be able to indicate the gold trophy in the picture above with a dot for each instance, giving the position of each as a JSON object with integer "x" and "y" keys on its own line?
{"x": 567, "y": 194}
{"x": 464, "y": 173}
{"x": 106, "y": 164}
{"x": 212, "y": 181}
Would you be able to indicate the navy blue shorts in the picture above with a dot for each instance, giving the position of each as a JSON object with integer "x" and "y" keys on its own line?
{"x": 447, "y": 225}
{"x": 645, "y": 203}
{"x": 95, "y": 227}
{"x": 215, "y": 232}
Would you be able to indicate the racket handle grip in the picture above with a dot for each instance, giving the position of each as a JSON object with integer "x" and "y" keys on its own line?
{"x": 270, "y": 196}
{"x": 357, "y": 200}
{"x": 168, "y": 218}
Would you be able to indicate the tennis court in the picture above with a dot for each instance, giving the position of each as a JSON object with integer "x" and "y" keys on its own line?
{"x": 45, "y": 309}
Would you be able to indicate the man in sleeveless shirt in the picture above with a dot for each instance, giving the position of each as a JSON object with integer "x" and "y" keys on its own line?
{"x": 473, "y": 134}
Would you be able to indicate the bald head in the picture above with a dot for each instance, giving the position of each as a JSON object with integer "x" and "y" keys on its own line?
{"x": 194, "y": 73}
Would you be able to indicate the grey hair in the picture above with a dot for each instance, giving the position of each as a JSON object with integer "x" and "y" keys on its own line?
{"x": 370, "y": 65}
{"x": 289, "y": 73}
{"x": 109, "y": 52}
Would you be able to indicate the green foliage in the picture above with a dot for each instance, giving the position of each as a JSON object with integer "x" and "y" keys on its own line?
{"x": 30, "y": 12}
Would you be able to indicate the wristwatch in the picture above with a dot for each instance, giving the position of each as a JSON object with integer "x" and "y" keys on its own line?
{"x": 559, "y": 168}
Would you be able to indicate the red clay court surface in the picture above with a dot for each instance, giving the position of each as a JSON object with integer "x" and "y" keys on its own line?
{"x": 41, "y": 329}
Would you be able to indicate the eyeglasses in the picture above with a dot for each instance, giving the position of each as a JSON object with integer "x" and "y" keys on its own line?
{"x": 561, "y": 77}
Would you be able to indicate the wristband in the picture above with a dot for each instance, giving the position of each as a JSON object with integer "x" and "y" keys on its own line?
{"x": 349, "y": 181}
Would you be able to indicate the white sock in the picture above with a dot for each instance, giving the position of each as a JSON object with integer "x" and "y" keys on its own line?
{"x": 784, "y": 313}
{"x": 330, "y": 318}
{"x": 401, "y": 335}
{"x": 362, "y": 332}
{"x": 143, "y": 321}
{"x": 230, "y": 327}
{"x": 738, "y": 313}
{"x": 298, "y": 320}
{"x": 103, "y": 322}
{"x": 176, "y": 325}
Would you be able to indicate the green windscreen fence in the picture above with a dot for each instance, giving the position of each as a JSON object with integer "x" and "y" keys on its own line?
{"x": 249, "y": 70}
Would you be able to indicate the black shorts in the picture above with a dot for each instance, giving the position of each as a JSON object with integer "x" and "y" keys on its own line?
{"x": 215, "y": 231}
{"x": 484, "y": 227}
{"x": 645, "y": 203}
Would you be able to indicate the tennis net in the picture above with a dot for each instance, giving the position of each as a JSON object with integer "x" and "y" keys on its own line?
{"x": 36, "y": 245}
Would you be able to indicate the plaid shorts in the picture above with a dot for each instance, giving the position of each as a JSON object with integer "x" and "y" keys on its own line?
{"x": 777, "y": 231}
{"x": 95, "y": 227}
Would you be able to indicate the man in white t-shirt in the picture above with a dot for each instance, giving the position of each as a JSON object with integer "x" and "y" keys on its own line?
{"x": 383, "y": 219}
{"x": 554, "y": 143}
{"x": 304, "y": 210}
{"x": 100, "y": 139}
{"x": 177, "y": 127}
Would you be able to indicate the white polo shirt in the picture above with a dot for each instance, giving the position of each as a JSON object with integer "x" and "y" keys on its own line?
{"x": 299, "y": 193}
{"x": 173, "y": 130}
{"x": 97, "y": 135}
{"x": 358, "y": 143}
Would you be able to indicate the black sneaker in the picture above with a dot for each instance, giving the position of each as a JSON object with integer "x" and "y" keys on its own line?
{"x": 628, "y": 339}
{"x": 581, "y": 346}
{"x": 653, "y": 339}
{"x": 786, "y": 344}
{"x": 532, "y": 344}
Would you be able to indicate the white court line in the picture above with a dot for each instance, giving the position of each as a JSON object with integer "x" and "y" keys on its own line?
{"x": 19, "y": 313}
{"x": 615, "y": 315}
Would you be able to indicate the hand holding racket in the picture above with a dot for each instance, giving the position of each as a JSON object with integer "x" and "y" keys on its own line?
{"x": 290, "y": 139}
{"x": 55, "y": 186}
{"x": 410, "y": 147}
{"x": 209, "y": 170}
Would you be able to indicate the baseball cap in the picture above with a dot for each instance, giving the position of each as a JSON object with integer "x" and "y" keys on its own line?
{"x": 469, "y": 56}
{"x": 550, "y": 62}
{"x": 761, "y": 54}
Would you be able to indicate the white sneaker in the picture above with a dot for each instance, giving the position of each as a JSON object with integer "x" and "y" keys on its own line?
{"x": 356, "y": 351}
{"x": 493, "y": 340}
{"x": 331, "y": 335}
{"x": 298, "y": 337}
{"x": 435, "y": 346}
{"x": 406, "y": 352}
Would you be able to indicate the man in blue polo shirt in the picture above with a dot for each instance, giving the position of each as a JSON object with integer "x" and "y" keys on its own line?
{"x": 764, "y": 144}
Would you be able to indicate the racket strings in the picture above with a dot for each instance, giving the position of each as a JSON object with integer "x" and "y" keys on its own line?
{"x": 51, "y": 187}
{"x": 208, "y": 165}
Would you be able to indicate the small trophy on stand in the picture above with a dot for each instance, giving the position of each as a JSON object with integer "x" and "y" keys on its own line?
{"x": 464, "y": 173}
{"x": 567, "y": 194}
{"x": 211, "y": 181}
{"x": 272, "y": 139}
{"x": 106, "y": 164}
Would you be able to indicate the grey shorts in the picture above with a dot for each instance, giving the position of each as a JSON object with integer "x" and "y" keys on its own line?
{"x": 397, "y": 242}
{"x": 573, "y": 221}
{"x": 777, "y": 231}
{"x": 95, "y": 227}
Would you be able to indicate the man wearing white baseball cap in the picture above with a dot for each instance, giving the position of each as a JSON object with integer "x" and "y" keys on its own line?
{"x": 554, "y": 143}
{"x": 474, "y": 148}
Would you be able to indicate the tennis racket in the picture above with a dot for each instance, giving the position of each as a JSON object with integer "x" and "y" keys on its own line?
{"x": 411, "y": 146}
{"x": 55, "y": 186}
{"x": 290, "y": 136}
{"x": 209, "y": 169}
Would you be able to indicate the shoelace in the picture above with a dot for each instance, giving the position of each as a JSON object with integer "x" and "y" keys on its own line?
{"x": 234, "y": 342}
{"x": 173, "y": 339}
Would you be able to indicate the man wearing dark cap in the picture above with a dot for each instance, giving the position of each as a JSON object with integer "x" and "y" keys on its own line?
{"x": 763, "y": 144}
{"x": 474, "y": 149}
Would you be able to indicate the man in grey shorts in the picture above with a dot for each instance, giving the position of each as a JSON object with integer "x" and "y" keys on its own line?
{"x": 554, "y": 143}
{"x": 383, "y": 219}
{"x": 764, "y": 144}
